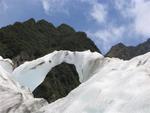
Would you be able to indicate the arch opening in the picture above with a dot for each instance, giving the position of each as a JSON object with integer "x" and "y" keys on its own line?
{"x": 62, "y": 79}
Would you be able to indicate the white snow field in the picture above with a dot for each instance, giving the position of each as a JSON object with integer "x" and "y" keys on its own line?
{"x": 13, "y": 97}
{"x": 108, "y": 85}
{"x": 6, "y": 64}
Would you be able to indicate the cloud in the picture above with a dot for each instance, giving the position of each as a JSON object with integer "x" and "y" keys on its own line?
{"x": 107, "y": 21}
{"x": 124, "y": 7}
{"x": 105, "y": 38}
{"x": 3, "y": 6}
{"x": 135, "y": 25}
{"x": 138, "y": 12}
{"x": 98, "y": 12}
{"x": 142, "y": 16}
{"x": 54, "y": 6}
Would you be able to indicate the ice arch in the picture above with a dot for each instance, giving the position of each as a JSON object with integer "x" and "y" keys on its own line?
{"x": 61, "y": 79}
{"x": 32, "y": 73}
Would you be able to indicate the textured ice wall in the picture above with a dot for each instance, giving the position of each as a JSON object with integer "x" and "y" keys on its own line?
{"x": 13, "y": 97}
{"x": 109, "y": 85}
{"x": 37, "y": 70}
{"x": 116, "y": 87}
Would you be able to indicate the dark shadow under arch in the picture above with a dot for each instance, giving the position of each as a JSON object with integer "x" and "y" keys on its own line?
{"x": 58, "y": 83}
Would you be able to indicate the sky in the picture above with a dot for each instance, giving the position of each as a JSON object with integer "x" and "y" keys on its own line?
{"x": 106, "y": 22}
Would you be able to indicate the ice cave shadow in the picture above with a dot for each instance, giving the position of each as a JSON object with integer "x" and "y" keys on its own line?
{"x": 58, "y": 82}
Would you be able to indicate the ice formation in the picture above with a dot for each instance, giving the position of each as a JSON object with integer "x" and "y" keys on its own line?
{"x": 116, "y": 86}
{"x": 35, "y": 71}
{"x": 13, "y": 97}
{"x": 109, "y": 85}
{"x": 6, "y": 64}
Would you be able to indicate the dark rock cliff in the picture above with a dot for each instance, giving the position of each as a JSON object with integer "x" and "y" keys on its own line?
{"x": 127, "y": 52}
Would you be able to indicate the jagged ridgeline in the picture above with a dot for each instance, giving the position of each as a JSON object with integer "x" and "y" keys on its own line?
{"x": 127, "y": 52}
{"x": 30, "y": 40}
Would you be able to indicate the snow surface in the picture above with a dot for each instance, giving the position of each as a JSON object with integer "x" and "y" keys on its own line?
{"x": 7, "y": 64}
{"x": 116, "y": 86}
{"x": 109, "y": 85}
{"x": 13, "y": 97}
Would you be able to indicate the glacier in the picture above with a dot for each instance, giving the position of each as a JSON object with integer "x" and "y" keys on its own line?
{"x": 15, "y": 98}
{"x": 108, "y": 85}
{"x": 36, "y": 70}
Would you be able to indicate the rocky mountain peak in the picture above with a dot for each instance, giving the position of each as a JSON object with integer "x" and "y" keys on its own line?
{"x": 30, "y": 21}
{"x": 64, "y": 28}
{"x": 127, "y": 52}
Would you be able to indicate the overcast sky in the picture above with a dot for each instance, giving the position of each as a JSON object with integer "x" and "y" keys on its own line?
{"x": 106, "y": 22}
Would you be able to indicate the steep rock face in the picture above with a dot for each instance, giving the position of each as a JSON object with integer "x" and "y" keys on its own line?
{"x": 39, "y": 38}
{"x": 123, "y": 52}
{"x": 29, "y": 40}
